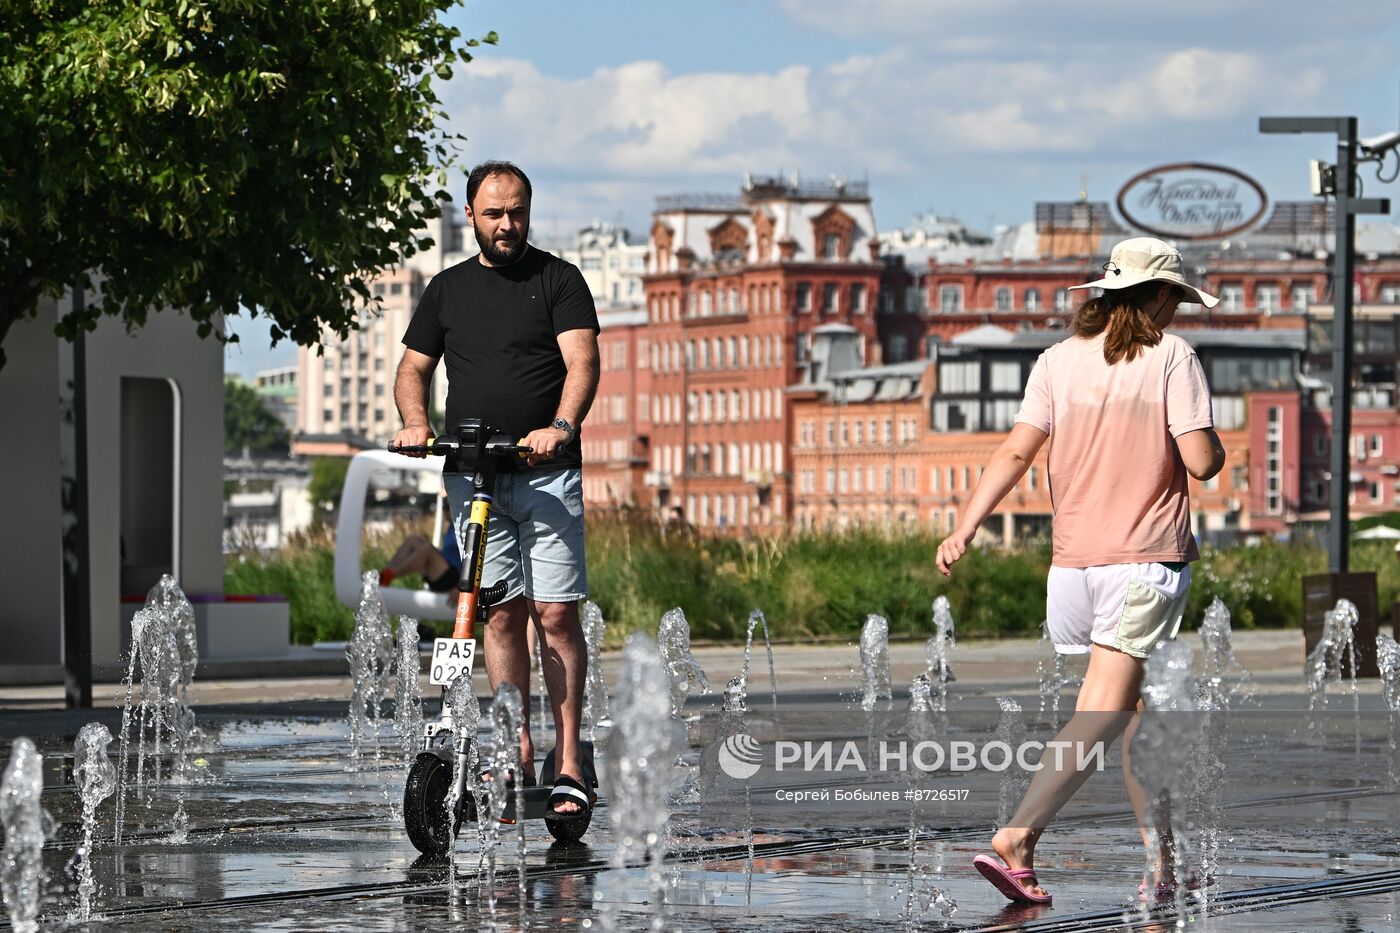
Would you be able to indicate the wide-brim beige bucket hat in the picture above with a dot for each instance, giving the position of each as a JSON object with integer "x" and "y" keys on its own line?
{"x": 1148, "y": 259}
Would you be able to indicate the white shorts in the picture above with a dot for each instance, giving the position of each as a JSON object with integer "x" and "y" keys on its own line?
{"x": 1130, "y": 607}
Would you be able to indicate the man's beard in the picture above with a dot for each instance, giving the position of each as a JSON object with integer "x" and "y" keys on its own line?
{"x": 502, "y": 254}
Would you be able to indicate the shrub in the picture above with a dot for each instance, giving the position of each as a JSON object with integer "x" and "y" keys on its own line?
{"x": 812, "y": 586}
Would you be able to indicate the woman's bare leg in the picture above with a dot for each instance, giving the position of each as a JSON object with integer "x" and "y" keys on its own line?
{"x": 1110, "y": 694}
{"x": 417, "y": 555}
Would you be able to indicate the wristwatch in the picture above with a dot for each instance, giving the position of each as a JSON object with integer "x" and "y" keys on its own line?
{"x": 563, "y": 425}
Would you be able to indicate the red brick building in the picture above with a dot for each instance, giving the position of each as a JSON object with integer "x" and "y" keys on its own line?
{"x": 740, "y": 421}
{"x": 614, "y": 435}
{"x": 736, "y": 286}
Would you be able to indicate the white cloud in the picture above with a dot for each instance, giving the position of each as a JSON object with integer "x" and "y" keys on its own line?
{"x": 960, "y": 89}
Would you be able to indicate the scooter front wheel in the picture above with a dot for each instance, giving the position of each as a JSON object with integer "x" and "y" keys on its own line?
{"x": 425, "y": 805}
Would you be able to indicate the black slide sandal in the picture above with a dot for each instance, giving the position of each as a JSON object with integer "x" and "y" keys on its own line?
{"x": 566, "y": 788}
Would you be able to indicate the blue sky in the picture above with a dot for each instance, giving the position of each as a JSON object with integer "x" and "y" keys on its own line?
{"x": 973, "y": 108}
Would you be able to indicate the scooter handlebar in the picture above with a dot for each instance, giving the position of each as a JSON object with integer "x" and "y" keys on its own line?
{"x": 501, "y": 445}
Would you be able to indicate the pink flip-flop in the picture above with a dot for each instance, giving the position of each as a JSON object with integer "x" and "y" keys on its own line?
{"x": 1008, "y": 880}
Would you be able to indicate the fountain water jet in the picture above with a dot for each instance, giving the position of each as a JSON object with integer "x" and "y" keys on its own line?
{"x": 756, "y": 618}
{"x": 155, "y": 635}
{"x": 370, "y": 653}
{"x": 1053, "y": 679}
{"x": 937, "y": 649}
{"x": 96, "y": 778}
{"x": 507, "y": 719}
{"x": 21, "y": 863}
{"x": 1011, "y": 729}
{"x": 595, "y": 690}
{"x": 1388, "y": 660}
{"x": 875, "y": 662}
{"x": 1338, "y": 643}
{"x": 1161, "y": 754}
{"x": 685, "y": 673}
{"x": 408, "y": 698}
{"x": 1218, "y": 685}
{"x": 641, "y": 749}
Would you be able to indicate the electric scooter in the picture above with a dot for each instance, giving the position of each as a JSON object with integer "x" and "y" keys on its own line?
{"x": 476, "y": 451}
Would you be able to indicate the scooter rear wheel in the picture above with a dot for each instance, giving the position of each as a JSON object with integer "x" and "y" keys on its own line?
{"x": 425, "y": 805}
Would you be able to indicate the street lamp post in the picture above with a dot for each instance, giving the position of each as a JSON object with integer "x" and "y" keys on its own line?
{"x": 1343, "y": 267}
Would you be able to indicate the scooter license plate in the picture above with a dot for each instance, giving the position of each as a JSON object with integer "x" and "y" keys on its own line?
{"x": 452, "y": 657}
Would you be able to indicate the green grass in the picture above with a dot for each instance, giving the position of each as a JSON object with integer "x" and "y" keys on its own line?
{"x": 814, "y": 587}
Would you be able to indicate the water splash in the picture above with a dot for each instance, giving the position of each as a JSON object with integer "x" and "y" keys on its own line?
{"x": 408, "y": 698}
{"x": 21, "y": 863}
{"x": 1337, "y": 644}
{"x": 1054, "y": 678}
{"x": 731, "y": 723}
{"x": 369, "y": 652}
{"x": 155, "y": 649}
{"x": 595, "y": 690}
{"x": 464, "y": 711}
{"x": 756, "y": 618}
{"x": 641, "y": 749}
{"x": 685, "y": 673}
{"x": 1223, "y": 677}
{"x": 167, "y": 598}
{"x": 507, "y": 718}
{"x": 937, "y": 651}
{"x": 96, "y": 778}
{"x": 1011, "y": 729}
{"x": 875, "y": 662}
{"x": 1388, "y": 660}
{"x": 1161, "y": 763}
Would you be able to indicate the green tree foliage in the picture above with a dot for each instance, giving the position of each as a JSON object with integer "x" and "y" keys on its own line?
{"x": 327, "y": 479}
{"x": 248, "y": 424}
{"x": 217, "y": 156}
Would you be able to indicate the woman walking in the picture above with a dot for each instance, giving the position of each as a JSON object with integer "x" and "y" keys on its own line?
{"x": 1127, "y": 410}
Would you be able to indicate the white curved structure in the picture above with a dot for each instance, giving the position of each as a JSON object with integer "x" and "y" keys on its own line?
{"x": 349, "y": 533}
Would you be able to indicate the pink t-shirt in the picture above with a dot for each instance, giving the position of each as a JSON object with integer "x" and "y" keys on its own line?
{"x": 1117, "y": 482}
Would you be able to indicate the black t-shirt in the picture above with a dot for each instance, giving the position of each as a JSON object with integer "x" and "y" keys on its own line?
{"x": 497, "y": 329}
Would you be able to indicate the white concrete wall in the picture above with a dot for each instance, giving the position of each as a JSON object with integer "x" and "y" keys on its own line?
{"x": 30, "y": 577}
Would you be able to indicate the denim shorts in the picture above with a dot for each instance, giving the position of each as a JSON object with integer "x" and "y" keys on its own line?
{"x": 1130, "y": 607}
{"x": 534, "y": 540}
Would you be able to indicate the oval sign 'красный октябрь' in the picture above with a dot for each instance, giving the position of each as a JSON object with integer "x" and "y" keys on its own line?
{"x": 1192, "y": 201}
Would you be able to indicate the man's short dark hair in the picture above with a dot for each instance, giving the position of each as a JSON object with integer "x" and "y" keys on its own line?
{"x": 485, "y": 170}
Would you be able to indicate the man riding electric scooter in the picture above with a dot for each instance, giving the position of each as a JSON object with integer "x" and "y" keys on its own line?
{"x": 517, "y": 329}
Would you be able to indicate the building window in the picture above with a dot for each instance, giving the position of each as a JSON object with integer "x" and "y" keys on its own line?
{"x": 1062, "y": 299}
{"x": 1389, "y": 294}
{"x": 1231, "y": 296}
{"x": 1302, "y": 296}
{"x": 858, "y": 298}
{"x": 396, "y": 288}
{"x": 830, "y": 292}
{"x": 950, "y": 299}
{"x": 1268, "y": 298}
{"x": 1032, "y": 478}
{"x": 1031, "y": 297}
{"x": 897, "y": 350}
{"x": 1375, "y": 490}
{"x": 1006, "y": 377}
{"x": 1003, "y": 299}
{"x": 831, "y": 246}
{"x": 959, "y": 378}
{"x": 1376, "y": 445}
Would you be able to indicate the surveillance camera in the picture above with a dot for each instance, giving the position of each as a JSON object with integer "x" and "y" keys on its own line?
{"x": 1377, "y": 145}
